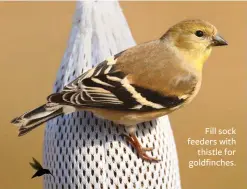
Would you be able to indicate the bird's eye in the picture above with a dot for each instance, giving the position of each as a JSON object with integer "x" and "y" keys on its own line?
{"x": 199, "y": 33}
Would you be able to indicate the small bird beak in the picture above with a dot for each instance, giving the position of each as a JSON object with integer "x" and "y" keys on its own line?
{"x": 52, "y": 175}
{"x": 218, "y": 41}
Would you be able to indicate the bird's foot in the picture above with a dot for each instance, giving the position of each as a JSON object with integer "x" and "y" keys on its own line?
{"x": 147, "y": 149}
{"x": 133, "y": 141}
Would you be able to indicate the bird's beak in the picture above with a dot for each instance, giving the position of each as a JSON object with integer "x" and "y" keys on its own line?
{"x": 218, "y": 41}
{"x": 52, "y": 175}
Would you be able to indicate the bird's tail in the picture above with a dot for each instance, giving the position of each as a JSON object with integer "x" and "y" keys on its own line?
{"x": 36, "y": 117}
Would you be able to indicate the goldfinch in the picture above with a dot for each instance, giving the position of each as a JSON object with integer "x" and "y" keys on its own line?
{"x": 136, "y": 85}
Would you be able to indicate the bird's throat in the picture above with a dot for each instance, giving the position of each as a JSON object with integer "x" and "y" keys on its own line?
{"x": 197, "y": 58}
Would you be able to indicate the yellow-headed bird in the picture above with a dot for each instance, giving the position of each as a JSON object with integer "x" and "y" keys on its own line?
{"x": 139, "y": 84}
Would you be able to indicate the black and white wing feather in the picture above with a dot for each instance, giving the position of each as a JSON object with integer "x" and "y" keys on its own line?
{"x": 106, "y": 87}
{"x": 99, "y": 87}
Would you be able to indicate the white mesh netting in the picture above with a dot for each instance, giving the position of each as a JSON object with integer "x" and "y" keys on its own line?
{"x": 85, "y": 152}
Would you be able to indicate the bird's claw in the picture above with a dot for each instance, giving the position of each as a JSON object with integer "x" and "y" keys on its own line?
{"x": 133, "y": 141}
{"x": 147, "y": 149}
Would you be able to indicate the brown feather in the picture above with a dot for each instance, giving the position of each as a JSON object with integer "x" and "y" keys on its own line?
{"x": 162, "y": 69}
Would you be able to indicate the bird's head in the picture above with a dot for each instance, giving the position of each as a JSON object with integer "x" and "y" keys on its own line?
{"x": 195, "y": 39}
{"x": 46, "y": 171}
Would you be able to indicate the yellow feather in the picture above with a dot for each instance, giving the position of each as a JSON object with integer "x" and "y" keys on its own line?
{"x": 197, "y": 58}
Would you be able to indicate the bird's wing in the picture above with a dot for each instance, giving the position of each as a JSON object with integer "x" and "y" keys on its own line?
{"x": 36, "y": 165}
{"x": 107, "y": 86}
{"x": 35, "y": 175}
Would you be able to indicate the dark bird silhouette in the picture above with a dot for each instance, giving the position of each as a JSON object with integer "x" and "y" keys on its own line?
{"x": 40, "y": 170}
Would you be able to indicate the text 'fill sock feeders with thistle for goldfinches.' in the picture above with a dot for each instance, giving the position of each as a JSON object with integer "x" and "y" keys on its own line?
{"x": 85, "y": 152}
